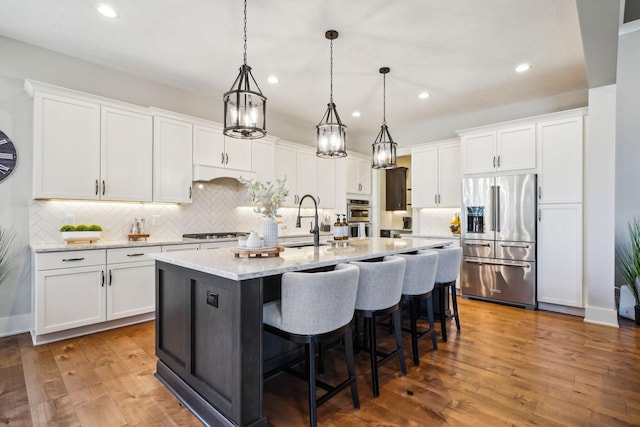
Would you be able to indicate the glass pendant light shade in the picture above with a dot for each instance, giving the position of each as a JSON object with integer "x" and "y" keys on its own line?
{"x": 384, "y": 149}
{"x": 331, "y": 133}
{"x": 245, "y": 107}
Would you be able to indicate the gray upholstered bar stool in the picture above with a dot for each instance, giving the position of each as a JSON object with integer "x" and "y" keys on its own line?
{"x": 446, "y": 275}
{"x": 317, "y": 307}
{"x": 419, "y": 279}
{"x": 379, "y": 293}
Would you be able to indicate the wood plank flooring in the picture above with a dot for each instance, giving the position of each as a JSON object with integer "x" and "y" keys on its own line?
{"x": 507, "y": 366}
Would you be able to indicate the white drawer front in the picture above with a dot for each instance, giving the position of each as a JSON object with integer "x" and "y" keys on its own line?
{"x": 138, "y": 253}
{"x": 70, "y": 259}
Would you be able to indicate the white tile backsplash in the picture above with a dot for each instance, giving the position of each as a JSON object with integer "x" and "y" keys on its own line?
{"x": 434, "y": 221}
{"x": 214, "y": 209}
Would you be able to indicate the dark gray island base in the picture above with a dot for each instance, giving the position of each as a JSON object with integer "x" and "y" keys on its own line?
{"x": 209, "y": 338}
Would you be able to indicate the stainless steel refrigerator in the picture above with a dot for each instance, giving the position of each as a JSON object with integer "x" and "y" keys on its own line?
{"x": 499, "y": 239}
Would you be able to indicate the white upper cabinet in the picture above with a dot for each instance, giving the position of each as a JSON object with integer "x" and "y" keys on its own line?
{"x": 172, "y": 160}
{"x": 264, "y": 160}
{"x": 212, "y": 148}
{"x": 358, "y": 175}
{"x": 88, "y": 148}
{"x": 126, "y": 161}
{"x": 299, "y": 165}
{"x": 501, "y": 150}
{"x": 435, "y": 175}
{"x": 560, "y": 159}
{"x": 305, "y": 173}
{"x": 66, "y": 148}
{"x": 326, "y": 182}
{"x": 286, "y": 165}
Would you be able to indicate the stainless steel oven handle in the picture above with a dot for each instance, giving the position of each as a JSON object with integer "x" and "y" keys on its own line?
{"x": 515, "y": 245}
{"x": 505, "y": 263}
{"x": 488, "y": 245}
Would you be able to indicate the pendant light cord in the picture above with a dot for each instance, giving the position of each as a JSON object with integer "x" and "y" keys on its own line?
{"x": 384, "y": 99}
{"x": 331, "y": 74}
{"x": 245, "y": 32}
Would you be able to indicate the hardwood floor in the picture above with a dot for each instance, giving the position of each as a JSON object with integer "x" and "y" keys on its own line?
{"x": 507, "y": 366}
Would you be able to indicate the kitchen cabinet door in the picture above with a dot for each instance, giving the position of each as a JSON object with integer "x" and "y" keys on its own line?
{"x": 424, "y": 177}
{"x": 69, "y": 298}
{"x": 126, "y": 155}
{"x": 560, "y": 157}
{"x": 66, "y": 148}
{"x": 237, "y": 153}
{"x": 560, "y": 254}
{"x": 326, "y": 182}
{"x": 264, "y": 160}
{"x": 479, "y": 153}
{"x": 286, "y": 165}
{"x": 208, "y": 146}
{"x": 358, "y": 176}
{"x": 130, "y": 289}
{"x": 396, "y": 189}
{"x": 516, "y": 149}
{"x": 449, "y": 176}
{"x": 172, "y": 160}
{"x": 306, "y": 174}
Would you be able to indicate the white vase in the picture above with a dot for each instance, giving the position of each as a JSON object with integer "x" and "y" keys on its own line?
{"x": 270, "y": 232}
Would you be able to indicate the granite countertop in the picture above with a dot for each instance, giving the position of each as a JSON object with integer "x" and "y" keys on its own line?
{"x": 223, "y": 263}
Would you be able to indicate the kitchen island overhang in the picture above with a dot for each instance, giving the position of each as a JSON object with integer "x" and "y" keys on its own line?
{"x": 209, "y": 338}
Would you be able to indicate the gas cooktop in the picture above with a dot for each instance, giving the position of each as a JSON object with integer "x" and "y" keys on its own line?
{"x": 213, "y": 236}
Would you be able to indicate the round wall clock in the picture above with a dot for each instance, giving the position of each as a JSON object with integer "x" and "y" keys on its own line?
{"x": 8, "y": 156}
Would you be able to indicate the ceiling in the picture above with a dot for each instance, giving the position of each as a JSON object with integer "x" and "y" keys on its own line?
{"x": 463, "y": 52}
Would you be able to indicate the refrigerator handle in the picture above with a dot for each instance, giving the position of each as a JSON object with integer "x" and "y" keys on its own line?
{"x": 493, "y": 207}
{"x": 497, "y": 213}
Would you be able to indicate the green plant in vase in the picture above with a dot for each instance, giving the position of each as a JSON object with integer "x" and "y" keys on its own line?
{"x": 267, "y": 197}
{"x": 628, "y": 262}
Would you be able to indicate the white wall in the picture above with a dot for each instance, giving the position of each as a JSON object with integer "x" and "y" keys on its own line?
{"x": 599, "y": 204}
{"x": 627, "y": 193}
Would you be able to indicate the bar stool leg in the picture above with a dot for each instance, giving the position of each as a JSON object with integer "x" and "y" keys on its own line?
{"x": 454, "y": 300}
{"x": 398, "y": 328}
{"x": 443, "y": 314}
{"x": 434, "y": 336}
{"x": 351, "y": 368}
{"x": 313, "y": 411}
{"x": 414, "y": 330}
{"x": 371, "y": 322}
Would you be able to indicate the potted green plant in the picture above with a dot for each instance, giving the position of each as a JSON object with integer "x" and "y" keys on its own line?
{"x": 6, "y": 238}
{"x": 267, "y": 197}
{"x": 628, "y": 261}
{"x": 81, "y": 232}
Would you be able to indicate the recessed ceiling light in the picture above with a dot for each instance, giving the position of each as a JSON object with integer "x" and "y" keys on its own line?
{"x": 423, "y": 95}
{"x": 356, "y": 114}
{"x": 272, "y": 79}
{"x": 522, "y": 68}
{"x": 106, "y": 10}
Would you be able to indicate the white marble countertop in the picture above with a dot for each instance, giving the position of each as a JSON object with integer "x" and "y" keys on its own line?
{"x": 430, "y": 236}
{"x": 223, "y": 263}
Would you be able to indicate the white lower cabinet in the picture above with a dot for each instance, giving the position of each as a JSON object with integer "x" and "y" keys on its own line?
{"x": 560, "y": 254}
{"x": 74, "y": 289}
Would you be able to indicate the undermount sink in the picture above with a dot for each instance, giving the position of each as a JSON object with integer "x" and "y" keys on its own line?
{"x": 301, "y": 245}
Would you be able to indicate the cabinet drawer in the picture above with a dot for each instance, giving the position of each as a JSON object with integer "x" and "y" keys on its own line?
{"x": 70, "y": 259}
{"x": 138, "y": 253}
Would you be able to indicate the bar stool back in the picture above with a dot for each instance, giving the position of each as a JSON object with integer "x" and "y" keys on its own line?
{"x": 446, "y": 275}
{"x": 314, "y": 308}
{"x": 419, "y": 280}
{"x": 379, "y": 293}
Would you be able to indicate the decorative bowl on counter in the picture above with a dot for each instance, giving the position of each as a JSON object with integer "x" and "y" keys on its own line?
{"x": 77, "y": 236}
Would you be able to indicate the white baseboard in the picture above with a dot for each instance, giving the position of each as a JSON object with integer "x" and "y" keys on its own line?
{"x": 601, "y": 316}
{"x": 15, "y": 324}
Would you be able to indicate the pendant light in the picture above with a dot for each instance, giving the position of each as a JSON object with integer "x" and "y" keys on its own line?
{"x": 384, "y": 149}
{"x": 331, "y": 133}
{"x": 245, "y": 106}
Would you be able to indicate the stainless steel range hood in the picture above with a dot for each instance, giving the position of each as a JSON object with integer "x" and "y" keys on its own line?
{"x": 208, "y": 173}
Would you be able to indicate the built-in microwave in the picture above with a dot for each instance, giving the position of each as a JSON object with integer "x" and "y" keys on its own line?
{"x": 358, "y": 211}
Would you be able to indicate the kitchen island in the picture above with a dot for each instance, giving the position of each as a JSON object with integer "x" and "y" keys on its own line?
{"x": 209, "y": 338}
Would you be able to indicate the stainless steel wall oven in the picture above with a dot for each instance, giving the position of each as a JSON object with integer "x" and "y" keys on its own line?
{"x": 358, "y": 211}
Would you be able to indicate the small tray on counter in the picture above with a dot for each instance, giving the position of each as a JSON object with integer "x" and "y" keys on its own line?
{"x": 258, "y": 252}
{"x": 137, "y": 236}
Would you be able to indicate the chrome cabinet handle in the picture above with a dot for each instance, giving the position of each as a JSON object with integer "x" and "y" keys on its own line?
{"x": 102, "y": 279}
{"x": 104, "y": 187}
{"x": 222, "y": 158}
{"x": 140, "y": 254}
{"x": 494, "y": 161}
{"x": 435, "y": 199}
{"x": 539, "y": 214}
{"x": 110, "y": 277}
{"x": 540, "y": 192}
{"x": 72, "y": 259}
{"x": 190, "y": 192}
{"x": 318, "y": 200}
{"x": 498, "y": 161}
{"x": 226, "y": 156}
{"x": 97, "y": 185}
